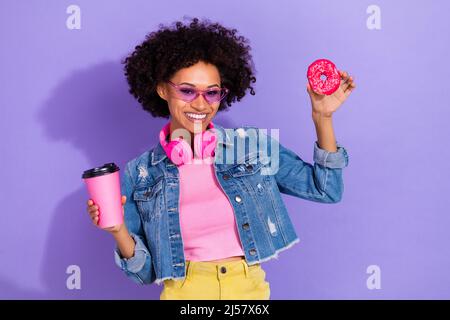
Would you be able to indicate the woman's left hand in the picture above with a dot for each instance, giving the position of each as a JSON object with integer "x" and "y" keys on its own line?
{"x": 326, "y": 105}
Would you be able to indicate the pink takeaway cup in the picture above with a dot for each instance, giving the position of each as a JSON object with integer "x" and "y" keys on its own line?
{"x": 103, "y": 185}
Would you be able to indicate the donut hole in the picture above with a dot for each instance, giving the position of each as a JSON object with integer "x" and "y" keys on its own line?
{"x": 323, "y": 77}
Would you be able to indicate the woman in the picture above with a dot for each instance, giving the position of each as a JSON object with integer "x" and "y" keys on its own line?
{"x": 202, "y": 227}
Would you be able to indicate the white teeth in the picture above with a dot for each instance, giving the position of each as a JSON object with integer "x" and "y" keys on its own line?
{"x": 196, "y": 116}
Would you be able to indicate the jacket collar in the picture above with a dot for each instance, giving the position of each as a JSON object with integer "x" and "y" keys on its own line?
{"x": 224, "y": 138}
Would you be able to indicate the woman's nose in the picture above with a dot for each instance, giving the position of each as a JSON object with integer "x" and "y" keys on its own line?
{"x": 200, "y": 103}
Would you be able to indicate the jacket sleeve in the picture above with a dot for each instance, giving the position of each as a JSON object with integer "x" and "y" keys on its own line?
{"x": 319, "y": 182}
{"x": 139, "y": 267}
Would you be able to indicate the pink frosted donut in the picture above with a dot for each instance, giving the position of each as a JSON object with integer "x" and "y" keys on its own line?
{"x": 323, "y": 76}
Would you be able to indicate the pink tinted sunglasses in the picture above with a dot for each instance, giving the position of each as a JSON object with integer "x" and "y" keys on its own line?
{"x": 189, "y": 94}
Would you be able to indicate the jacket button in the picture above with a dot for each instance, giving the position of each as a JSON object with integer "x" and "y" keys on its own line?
{"x": 252, "y": 252}
{"x": 238, "y": 199}
{"x": 226, "y": 177}
{"x": 246, "y": 226}
{"x": 223, "y": 270}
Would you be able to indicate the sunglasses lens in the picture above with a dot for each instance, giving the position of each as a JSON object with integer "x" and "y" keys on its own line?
{"x": 212, "y": 96}
{"x": 215, "y": 95}
{"x": 187, "y": 94}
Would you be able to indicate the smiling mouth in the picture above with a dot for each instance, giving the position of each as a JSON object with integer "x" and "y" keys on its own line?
{"x": 195, "y": 116}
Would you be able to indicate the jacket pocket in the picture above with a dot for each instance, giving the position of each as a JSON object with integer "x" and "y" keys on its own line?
{"x": 249, "y": 175}
{"x": 149, "y": 200}
{"x": 250, "y": 166}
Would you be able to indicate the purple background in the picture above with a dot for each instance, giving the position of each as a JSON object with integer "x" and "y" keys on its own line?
{"x": 65, "y": 107}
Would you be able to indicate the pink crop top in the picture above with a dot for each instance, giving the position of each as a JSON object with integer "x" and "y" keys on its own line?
{"x": 207, "y": 220}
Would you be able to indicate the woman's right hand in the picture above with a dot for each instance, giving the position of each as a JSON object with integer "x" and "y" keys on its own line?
{"x": 93, "y": 213}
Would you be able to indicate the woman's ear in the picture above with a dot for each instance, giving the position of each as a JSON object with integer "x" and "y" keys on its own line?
{"x": 162, "y": 92}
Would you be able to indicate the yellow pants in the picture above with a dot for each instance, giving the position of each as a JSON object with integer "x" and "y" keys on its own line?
{"x": 232, "y": 280}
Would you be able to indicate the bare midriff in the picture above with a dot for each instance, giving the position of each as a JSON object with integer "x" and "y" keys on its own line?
{"x": 227, "y": 259}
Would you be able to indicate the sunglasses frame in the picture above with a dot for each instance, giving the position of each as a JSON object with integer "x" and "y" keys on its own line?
{"x": 198, "y": 92}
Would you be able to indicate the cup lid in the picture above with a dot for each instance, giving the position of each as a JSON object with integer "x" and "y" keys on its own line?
{"x": 100, "y": 171}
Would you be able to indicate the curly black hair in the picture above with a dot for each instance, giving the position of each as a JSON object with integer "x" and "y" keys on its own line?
{"x": 172, "y": 48}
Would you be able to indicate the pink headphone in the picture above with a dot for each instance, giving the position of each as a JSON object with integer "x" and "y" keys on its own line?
{"x": 180, "y": 152}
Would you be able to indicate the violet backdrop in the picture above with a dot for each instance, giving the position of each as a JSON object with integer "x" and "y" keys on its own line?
{"x": 65, "y": 107}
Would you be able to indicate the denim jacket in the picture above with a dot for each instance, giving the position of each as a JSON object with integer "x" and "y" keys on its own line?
{"x": 252, "y": 179}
